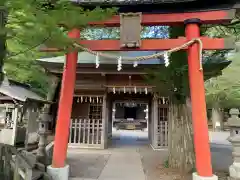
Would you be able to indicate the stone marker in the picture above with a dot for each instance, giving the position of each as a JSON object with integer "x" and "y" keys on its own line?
{"x": 234, "y": 124}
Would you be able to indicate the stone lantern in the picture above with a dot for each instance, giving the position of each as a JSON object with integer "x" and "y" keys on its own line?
{"x": 234, "y": 124}
{"x": 43, "y": 132}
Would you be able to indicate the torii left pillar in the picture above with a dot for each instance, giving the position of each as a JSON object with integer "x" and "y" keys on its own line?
{"x": 59, "y": 170}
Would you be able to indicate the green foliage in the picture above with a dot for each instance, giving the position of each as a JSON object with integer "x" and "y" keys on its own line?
{"x": 23, "y": 68}
{"x": 175, "y": 76}
{"x": 229, "y": 30}
{"x": 37, "y": 22}
{"x": 2, "y": 40}
{"x": 166, "y": 164}
{"x": 31, "y": 23}
{"x": 225, "y": 89}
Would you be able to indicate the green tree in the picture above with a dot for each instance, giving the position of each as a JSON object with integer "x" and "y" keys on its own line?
{"x": 3, "y": 22}
{"x": 223, "y": 91}
{"x": 175, "y": 81}
{"x": 28, "y": 24}
{"x": 23, "y": 68}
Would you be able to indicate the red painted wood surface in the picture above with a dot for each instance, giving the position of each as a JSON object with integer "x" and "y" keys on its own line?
{"x": 199, "y": 113}
{"x": 152, "y": 44}
{"x": 207, "y": 17}
{"x": 65, "y": 106}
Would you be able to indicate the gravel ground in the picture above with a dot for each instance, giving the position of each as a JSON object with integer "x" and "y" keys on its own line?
{"x": 153, "y": 165}
{"x": 154, "y": 169}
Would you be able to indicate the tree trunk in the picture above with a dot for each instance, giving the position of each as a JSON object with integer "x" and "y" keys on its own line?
{"x": 54, "y": 80}
{"x": 217, "y": 118}
{"x": 3, "y": 48}
{"x": 181, "y": 147}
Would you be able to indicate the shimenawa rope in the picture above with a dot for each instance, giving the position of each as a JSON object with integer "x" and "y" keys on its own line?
{"x": 141, "y": 58}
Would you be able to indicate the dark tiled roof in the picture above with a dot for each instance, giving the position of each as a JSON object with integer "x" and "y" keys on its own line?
{"x": 159, "y": 6}
{"x": 130, "y": 2}
{"x": 17, "y": 91}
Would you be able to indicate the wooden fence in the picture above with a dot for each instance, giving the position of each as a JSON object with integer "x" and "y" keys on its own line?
{"x": 86, "y": 133}
{"x": 162, "y": 134}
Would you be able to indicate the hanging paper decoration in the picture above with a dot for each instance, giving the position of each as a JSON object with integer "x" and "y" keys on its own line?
{"x": 124, "y": 89}
{"x": 146, "y": 91}
{"x": 166, "y": 59}
{"x": 97, "y": 61}
{"x": 77, "y": 100}
{"x": 114, "y": 90}
{"x": 135, "y": 64}
{"x": 81, "y": 99}
{"x": 119, "y": 66}
{"x": 135, "y": 89}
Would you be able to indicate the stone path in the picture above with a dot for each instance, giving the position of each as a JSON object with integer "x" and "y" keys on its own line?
{"x": 123, "y": 166}
{"x": 221, "y": 150}
{"x": 104, "y": 166}
{"x": 130, "y": 158}
{"x": 114, "y": 163}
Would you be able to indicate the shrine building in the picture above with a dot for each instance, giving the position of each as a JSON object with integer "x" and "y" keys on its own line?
{"x": 104, "y": 96}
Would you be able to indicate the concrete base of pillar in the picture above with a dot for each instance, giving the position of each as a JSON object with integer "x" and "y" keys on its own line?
{"x": 234, "y": 171}
{"x": 197, "y": 177}
{"x": 58, "y": 173}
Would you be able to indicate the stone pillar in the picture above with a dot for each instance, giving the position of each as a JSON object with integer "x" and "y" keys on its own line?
{"x": 43, "y": 122}
{"x": 234, "y": 124}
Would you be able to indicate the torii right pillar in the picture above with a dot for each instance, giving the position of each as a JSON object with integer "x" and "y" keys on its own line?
{"x": 199, "y": 114}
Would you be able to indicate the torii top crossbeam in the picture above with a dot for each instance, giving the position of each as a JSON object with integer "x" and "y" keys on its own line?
{"x": 207, "y": 17}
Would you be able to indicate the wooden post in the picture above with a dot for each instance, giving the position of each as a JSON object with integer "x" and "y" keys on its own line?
{"x": 155, "y": 121}
{"x": 105, "y": 124}
{"x": 15, "y": 123}
{"x": 197, "y": 91}
{"x": 65, "y": 106}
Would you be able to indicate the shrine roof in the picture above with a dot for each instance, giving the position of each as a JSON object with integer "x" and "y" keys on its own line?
{"x": 212, "y": 65}
{"x": 158, "y": 6}
{"x": 18, "y": 91}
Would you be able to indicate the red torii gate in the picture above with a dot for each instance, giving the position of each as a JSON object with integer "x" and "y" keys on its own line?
{"x": 192, "y": 23}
